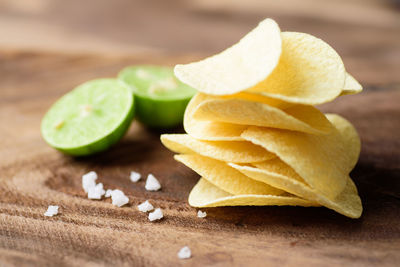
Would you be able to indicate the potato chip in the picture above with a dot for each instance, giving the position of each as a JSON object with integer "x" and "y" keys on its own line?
{"x": 277, "y": 166}
{"x": 215, "y": 131}
{"x": 347, "y": 202}
{"x": 236, "y": 111}
{"x": 278, "y": 174}
{"x": 282, "y": 177}
{"x": 309, "y": 71}
{"x": 350, "y": 138}
{"x": 239, "y": 67}
{"x": 351, "y": 86}
{"x": 212, "y": 130}
{"x": 232, "y": 151}
{"x": 226, "y": 177}
{"x": 253, "y": 133}
{"x": 209, "y": 130}
{"x": 322, "y": 161}
{"x": 205, "y": 194}
{"x": 254, "y": 97}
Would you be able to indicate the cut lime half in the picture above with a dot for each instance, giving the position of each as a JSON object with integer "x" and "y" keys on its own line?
{"x": 160, "y": 98}
{"x": 90, "y": 118}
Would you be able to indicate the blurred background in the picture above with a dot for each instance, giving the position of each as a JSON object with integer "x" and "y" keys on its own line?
{"x": 366, "y": 33}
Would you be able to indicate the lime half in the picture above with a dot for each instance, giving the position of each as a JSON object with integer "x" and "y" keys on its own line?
{"x": 90, "y": 118}
{"x": 160, "y": 98}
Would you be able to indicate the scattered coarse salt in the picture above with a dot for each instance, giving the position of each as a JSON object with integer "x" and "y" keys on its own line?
{"x": 184, "y": 253}
{"x": 118, "y": 198}
{"x": 108, "y": 193}
{"x": 145, "y": 206}
{"x": 51, "y": 211}
{"x": 89, "y": 180}
{"x": 135, "y": 176}
{"x": 96, "y": 192}
{"x": 156, "y": 215}
{"x": 152, "y": 184}
{"x": 201, "y": 214}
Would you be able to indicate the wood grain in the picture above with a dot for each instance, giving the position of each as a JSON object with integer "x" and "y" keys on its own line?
{"x": 364, "y": 32}
{"x": 95, "y": 233}
{"x": 50, "y": 46}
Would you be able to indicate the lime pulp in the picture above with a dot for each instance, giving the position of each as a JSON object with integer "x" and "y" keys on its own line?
{"x": 90, "y": 118}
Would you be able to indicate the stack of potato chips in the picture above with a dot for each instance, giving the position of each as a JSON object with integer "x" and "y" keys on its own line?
{"x": 253, "y": 133}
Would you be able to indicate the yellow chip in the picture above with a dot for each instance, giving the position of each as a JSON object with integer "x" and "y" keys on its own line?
{"x": 277, "y": 166}
{"x": 236, "y": 111}
{"x": 212, "y": 130}
{"x": 309, "y": 72}
{"x": 347, "y": 202}
{"x": 226, "y": 177}
{"x": 239, "y": 67}
{"x": 205, "y": 194}
{"x": 231, "y": 151}
{"x": 278, "y": 174}
{"x": 350, "y": 138}
{"x": 209, "y": 130}
{"x": 351, "y": 86}
{"x": 322, "y": 161}
{"x": 254, "y": 97}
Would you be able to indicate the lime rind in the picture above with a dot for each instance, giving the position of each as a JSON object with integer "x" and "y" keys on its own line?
{"x": 160, "y": 98}
{"x": 157, "y": 113}
{"x": 142, "y": 79}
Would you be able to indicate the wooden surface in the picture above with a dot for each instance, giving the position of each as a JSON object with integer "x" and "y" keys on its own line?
{"x": 364, "y": 32}
{"x": 95, "y": 233}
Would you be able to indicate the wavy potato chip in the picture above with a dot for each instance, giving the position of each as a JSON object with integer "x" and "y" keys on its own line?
{"x": 232, "y": 151}
{"x": 347, "y": 202}
{"x": 226, "y": 177}
{"x": 236, "y": 111}
{"x": 253, "y": 133}
{"x": 277, "y": 166}
{"x": 212, "y": 130}
{"x": 350, "y": 138}
{"x": 205, "y": 194}
{"x": 254, "y": 97}
{"x": 215, "y": 131}
{"x": 209, "y": 130}
{"x": 241, "y": 66}
{"x": 278, "y": 174}
{"x": 322, "y": 161}
{"x": 309, "y": 72}
{"x": 351, "y": 86}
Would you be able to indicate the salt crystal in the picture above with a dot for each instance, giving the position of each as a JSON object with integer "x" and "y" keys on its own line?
{"x": 118, "y": 198}
{"x": 135, "y": 176}
{"x": 108, "y": 193}
{"x": 201, "y": 214}
{"x": 51, "y": 211}
{"x": 145, "y": 206}
{"x": 156, "y": 215}
{"x": 96, "y": 192}
{"x": 184, "y": 253}
{"x": 152, "y": 184}
{"x": 89, "y": 180}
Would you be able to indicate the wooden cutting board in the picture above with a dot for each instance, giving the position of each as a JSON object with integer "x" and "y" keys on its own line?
{"x": 91, "y": 233}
